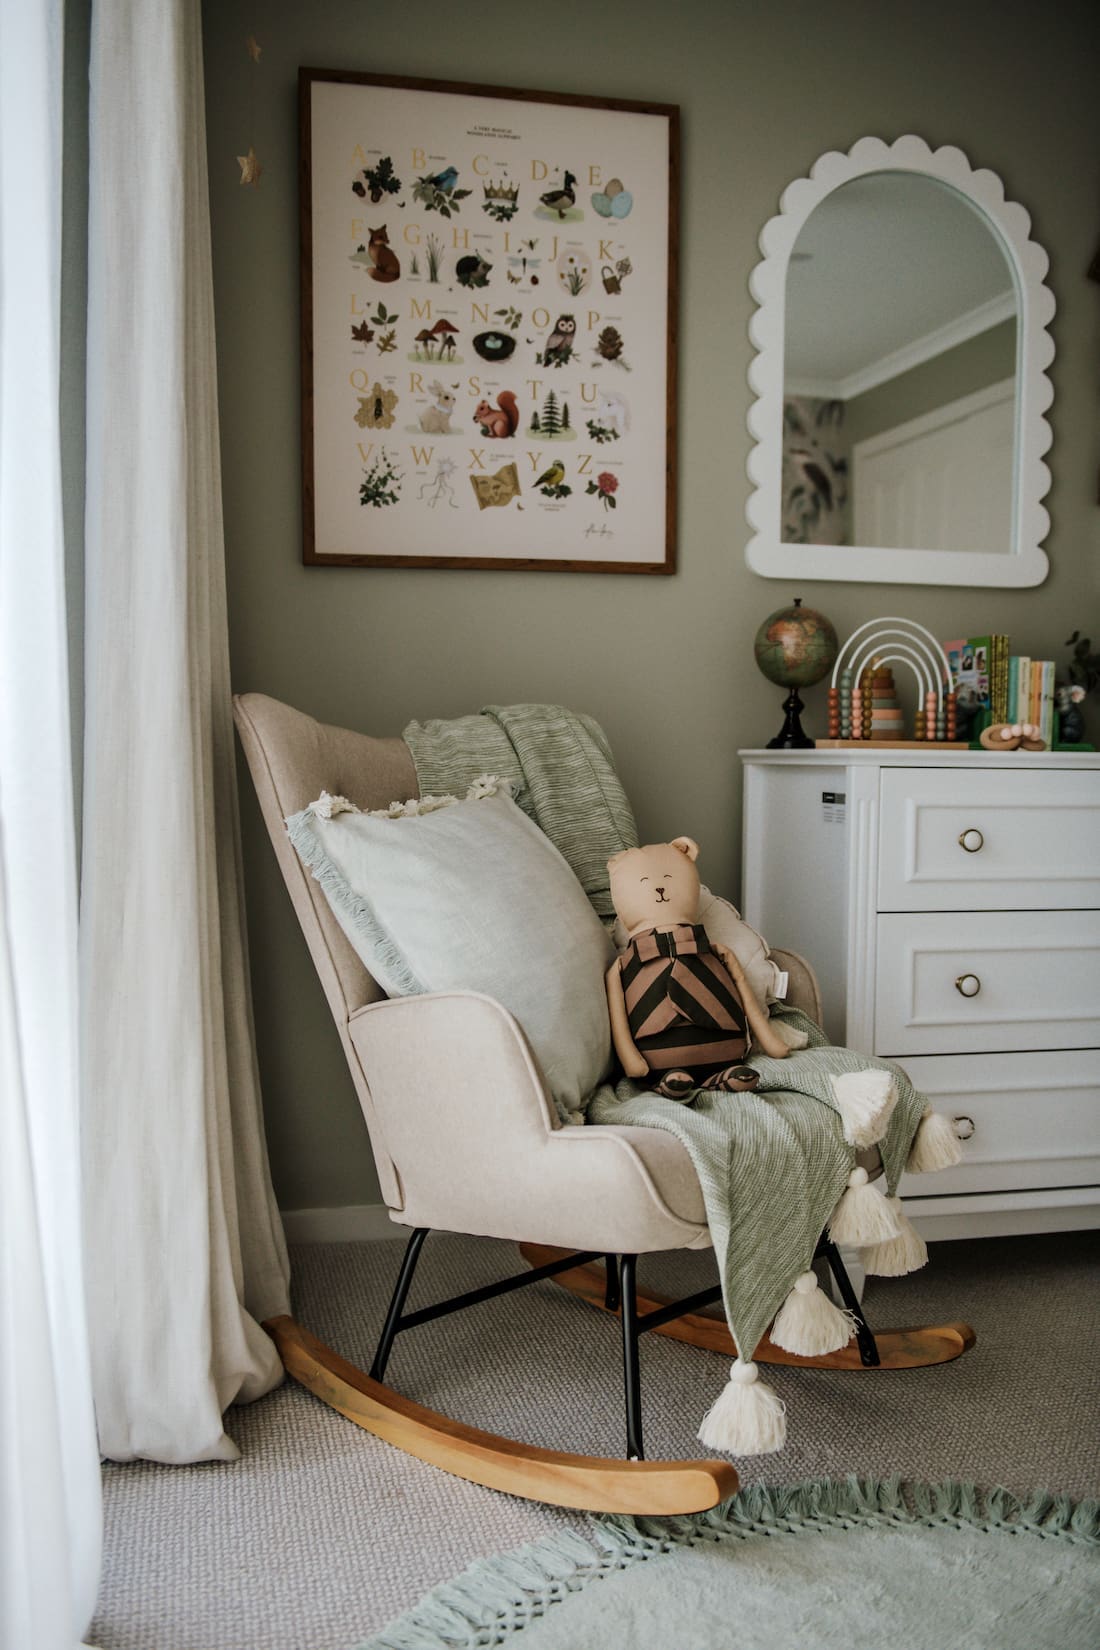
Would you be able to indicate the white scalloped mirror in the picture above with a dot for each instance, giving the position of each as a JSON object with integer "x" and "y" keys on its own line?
{"x": 900, "y": 376}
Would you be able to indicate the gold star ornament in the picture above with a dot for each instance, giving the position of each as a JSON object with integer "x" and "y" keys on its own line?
{"x": 250, "y": 168}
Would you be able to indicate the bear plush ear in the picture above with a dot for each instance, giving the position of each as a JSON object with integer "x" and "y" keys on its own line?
{"x": 687, "y": 845}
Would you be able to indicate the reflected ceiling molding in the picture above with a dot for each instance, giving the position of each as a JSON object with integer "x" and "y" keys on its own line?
{"x": 915, "y": 354}
{"x": 766, "y": 553}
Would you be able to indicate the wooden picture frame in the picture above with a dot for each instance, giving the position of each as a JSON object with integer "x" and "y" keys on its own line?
{"x": 488, "y": 308}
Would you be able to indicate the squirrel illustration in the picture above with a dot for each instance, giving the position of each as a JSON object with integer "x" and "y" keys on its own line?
{"x": 387, "y": 266}
{"x": 501, "y": 420}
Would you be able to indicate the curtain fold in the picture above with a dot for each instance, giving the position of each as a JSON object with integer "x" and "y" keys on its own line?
{"x": 50, "y": 1520}
{"x": 186, "y": 1251}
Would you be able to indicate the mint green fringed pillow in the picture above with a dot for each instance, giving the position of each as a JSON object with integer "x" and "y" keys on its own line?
{"x": 443, "y": 895}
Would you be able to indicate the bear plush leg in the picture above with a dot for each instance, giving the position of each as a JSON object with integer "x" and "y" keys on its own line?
{"x": 735, "y": 1079}
{"x": 677, "y": 1085}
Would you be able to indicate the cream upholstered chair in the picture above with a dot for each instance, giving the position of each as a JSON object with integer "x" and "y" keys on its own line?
{"x": 568, "y": 1196}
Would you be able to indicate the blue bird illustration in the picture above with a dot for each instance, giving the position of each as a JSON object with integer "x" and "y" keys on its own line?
{"x": 443, "y": 181}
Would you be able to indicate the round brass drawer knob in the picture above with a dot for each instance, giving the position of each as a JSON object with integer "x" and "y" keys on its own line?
{"x": 968, "y": 985}
{"x": 972, "y": 840}
{"x": 964, "y": 1127}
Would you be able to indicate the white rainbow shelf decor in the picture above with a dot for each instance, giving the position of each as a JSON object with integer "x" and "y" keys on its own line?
{"x": 872, "y": 648}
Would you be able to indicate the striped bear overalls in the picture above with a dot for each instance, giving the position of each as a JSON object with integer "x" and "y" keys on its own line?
{"x": 683, "y": 1009}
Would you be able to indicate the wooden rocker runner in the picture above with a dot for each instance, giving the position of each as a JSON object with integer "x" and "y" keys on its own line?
{"x": 495, "y": 1162}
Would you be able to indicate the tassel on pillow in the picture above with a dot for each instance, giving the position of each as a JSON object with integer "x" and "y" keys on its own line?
{"x": 747, "y": 1417}
{"x": 897, "y": 1256}
{"x": 865, "y": 1101}
{"x": 935, "y": 1144}
{"x": 809, "y": 1323}
{"x": 862, "y": 1216}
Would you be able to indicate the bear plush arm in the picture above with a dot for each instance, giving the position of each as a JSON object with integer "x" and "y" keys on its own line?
{"x": 765, "y": 1036}
{"x": 630, "y": 1058}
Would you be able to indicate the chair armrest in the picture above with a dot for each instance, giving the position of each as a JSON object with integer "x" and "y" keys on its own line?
{"x": 476, "y": 1144}
{"x": 457, "y": 1095}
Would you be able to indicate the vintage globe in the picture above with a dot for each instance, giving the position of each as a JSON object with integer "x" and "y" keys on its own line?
{"x": 795, "y": 646}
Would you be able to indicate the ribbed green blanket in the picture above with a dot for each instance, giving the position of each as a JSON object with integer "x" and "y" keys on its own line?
{"x": 562, "y": 765}
{"x": 772, "y": 1163}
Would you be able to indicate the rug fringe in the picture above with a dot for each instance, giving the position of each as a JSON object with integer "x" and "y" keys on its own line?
{"x": 856, "y": 1500}
{"x": 496, "y": 1597}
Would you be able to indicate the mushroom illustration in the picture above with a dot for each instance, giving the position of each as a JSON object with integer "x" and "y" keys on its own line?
{"x": 426, "y": 338}
{"x": 446, "y": 334}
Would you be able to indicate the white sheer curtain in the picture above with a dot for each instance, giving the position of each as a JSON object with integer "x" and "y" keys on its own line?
{"x": 185, "y": 1248}
{"x": 49, "y": 1468}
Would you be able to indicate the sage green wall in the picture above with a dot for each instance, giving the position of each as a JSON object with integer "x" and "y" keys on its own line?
{"x": 665, "y": 664}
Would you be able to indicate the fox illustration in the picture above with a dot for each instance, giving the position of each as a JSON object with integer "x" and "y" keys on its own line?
{"x": 387, "y": 265}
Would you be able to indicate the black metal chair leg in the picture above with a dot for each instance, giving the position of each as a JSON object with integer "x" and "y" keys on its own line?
{"x": 613, "y": 1296}
{"x": 868, "y": 1346}
{"x": 631, "y": 1371}
{"x": 397, "y": 1304}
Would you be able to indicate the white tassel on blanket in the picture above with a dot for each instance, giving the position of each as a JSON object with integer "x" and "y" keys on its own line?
{"x": 935, "y": 1144}
{"x": 747, "y": 1417}
{"x": 809, "y": 1323}
{"x": 865, "y": 1101}
{"x": 863, "y": 1215}
{"x": 897, "y": 1256}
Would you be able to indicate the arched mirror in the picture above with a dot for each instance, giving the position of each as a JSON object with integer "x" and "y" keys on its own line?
{"x": 900, "y": 376}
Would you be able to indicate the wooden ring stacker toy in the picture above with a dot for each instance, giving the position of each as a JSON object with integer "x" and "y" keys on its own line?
{"x": 1010, "y": 736}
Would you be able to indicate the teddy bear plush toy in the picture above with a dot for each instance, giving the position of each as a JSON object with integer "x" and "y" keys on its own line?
{"x": 682, "y": 1011}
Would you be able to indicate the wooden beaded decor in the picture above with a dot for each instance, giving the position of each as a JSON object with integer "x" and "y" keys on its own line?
{"x": 864, "y": 707}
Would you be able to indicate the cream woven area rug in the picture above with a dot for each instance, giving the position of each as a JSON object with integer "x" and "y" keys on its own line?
{"x": 859, "y": 1565}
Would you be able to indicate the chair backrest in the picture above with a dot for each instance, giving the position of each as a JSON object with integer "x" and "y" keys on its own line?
{"x": 293, "y": 759}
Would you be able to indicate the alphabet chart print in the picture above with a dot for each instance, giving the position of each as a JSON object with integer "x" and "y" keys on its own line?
{"x": 488, "y": 289}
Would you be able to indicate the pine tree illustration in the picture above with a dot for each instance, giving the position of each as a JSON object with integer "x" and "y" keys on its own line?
{"x": 565, "y": 415}
{"x": 551, "y": 419}
{"x": 535, "y": 425}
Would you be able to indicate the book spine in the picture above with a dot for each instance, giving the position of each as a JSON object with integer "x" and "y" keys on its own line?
{"x": 1046, "y": 703}
{"x": 1036, "y": 692}
{"x": 999, "y": 678}
{"x": 1023, "y": 690}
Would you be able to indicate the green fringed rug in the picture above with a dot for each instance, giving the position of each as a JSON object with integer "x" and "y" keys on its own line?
{"x": 859, "y": 1564}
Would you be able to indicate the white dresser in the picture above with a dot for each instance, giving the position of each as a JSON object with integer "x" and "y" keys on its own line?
{"x": 950, "y": 903}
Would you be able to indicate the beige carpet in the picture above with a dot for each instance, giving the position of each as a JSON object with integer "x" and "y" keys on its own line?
{"x": 320, "y": 1534}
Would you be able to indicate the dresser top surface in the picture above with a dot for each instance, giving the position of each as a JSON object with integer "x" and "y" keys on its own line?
{"x": 918, "y": 758}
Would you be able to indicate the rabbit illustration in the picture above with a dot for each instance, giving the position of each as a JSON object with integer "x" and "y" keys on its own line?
{"x": 436, "y": 419}
{"x": 613, "y": 413}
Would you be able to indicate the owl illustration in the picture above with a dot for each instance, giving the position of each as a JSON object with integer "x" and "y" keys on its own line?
{"x": 559, "y": 345}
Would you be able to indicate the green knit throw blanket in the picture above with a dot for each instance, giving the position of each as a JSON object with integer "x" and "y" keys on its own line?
{"x": 772, "y": 1163}
{"x": 561, "y": 763}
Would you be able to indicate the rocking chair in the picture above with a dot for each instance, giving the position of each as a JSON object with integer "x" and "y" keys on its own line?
{"x": 568, "y": 1196}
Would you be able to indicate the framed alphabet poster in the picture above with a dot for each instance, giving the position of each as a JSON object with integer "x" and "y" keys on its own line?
{"x": 488, "y": 341}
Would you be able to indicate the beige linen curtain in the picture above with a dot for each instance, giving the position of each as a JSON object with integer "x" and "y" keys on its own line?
{"x": 185, "y": 1247}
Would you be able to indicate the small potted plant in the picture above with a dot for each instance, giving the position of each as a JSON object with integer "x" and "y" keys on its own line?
{"x": 1084, "y": 674}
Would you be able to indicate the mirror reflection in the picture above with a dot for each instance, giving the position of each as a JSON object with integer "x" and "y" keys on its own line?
{"x": 900, "y": 404}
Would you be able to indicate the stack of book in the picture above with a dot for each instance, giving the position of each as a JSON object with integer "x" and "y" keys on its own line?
{"x": 979, "y": 666}
{"x": 993, "y": 686}
{"x": 1031, "y": 694}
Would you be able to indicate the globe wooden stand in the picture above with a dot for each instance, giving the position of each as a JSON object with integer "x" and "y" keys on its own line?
{"x": 791, "y": 736}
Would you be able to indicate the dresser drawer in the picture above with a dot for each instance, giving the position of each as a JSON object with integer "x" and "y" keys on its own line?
{"x": 987, "y": 980}
{"x": 956, "y": 839}
{"x": 1027, "y": 1121}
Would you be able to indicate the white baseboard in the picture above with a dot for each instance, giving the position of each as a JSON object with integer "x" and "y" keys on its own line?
{"x": 350, "y": 1223}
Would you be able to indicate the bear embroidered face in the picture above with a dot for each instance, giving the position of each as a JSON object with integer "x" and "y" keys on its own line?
{"x": 656, "y": 886}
